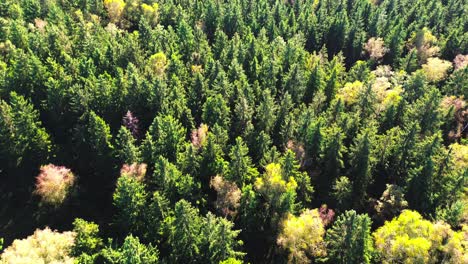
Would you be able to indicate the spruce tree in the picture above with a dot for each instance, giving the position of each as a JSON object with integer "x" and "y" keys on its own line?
{"x": 349, "y": 240}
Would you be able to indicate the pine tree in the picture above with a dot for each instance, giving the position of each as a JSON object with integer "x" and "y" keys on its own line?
{"x": 216, "y": 111}
{"x": 173, "y": 184}
{"x": 266, "y": 112}
{"x": 420, "y": 189}
{"x": 291, "y": 167}
{"x": 295, "y": 83}
{"x": 186, "y": 40}
{"x": 130, "y": 200}
{"x": 331, "y": 86}
{"x": 314, "y": 142}
{"x": 189, "y": 160}
{"x": 131, "y": 251}
{"x": 282, "y": 125}
{"x": 362, "y": 162}
{"x": 185, "y": 238}
{"x": 197, "y": 96}
{"x": 220, "y": 239}
{"x": 332, "y": 159}
{"x": 241, "y": 170}
{"x": 349, "y": 239}
{"x": 24, "y": 143}
{"x": 87, "y": 241}
{"x": 164, "y": 137}
{"x": 126, "y": 150}
{"x": 315, "y": 83}
{"x": 96, "y": 135}
{"x": 212, "y": 161}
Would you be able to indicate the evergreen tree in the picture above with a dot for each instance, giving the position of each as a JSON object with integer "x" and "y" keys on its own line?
{"x": 332, "y": 159}
{"x": 314, "y": 142}
{"x": 266, "y": 112}
{"x": 331, "y": 86}
{"x": 130, "y": 199}
{"x": 362, "y": 162}
{"x": 197, "y": 96}
{"x": 173, "y": 184}
{"x": 24, "y": 143}
{"x": 87, "y": 240}
{"x": 126, "y": 151}
{"x": 212, "y": 161}
{"x": 131, "y": 251}
{"x": 241, "y": 170}
{"x": 349, "y": 239}
{"x": 291, "y": 167}
{"x": 216, "y": 111}
{"x": 185, "y": 238}
{"x": 164, "y": 137}
{"x": 221, "y": 240}
{"x": 420, "y": 189}
{"x": 316, "y": 82}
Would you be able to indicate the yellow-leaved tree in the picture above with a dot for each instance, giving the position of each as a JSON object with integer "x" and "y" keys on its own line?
{"x": 436, "y": 69}
{"x": 44, "y": 246}
{"x": 302, "y": 236}
{"x": 409, "y": 238}
{"x": 272, "y": 185}
{"x": 151, "y": 13}
{"x": 350, "y": 92}
{"x": 115, "y": 9}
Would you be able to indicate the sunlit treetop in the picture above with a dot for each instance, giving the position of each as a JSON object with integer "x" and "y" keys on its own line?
{"x": 272, "y": 180}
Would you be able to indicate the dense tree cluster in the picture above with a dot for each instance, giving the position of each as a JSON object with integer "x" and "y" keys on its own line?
{"x": 256, "y": 131}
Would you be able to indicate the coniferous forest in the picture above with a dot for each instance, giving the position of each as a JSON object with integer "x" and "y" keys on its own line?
{"x": 233, "y": 131}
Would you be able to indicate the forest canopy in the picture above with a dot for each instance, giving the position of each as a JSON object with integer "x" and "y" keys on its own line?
{"x": 241, "y": 131}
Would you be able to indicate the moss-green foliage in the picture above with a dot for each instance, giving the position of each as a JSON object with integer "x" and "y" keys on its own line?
{"x": 232, "y": 117}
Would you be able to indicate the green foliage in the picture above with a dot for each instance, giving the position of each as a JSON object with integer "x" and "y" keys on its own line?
{"x": 221, "y": 239}
{"x": 362, "y": 162}
{"x": 197, "y": 239}
{"x": 253, "y": 110}
{"x": 131, "y": 251}
{"x": 291, "y": 168}
{"x": 164, "y": 137}
{"x": 342, "y": 192}
{"x": 129, "y": 198}
{"x": 349, "y": 239}
{"x": 231, "y": 261}
{"x": 452, "y": 214}
{"x": 241, "y": 170}
{"x": 125, "y": 146}
{"x": 185, "y": 239}
{"x": 87, "y": 241}
{"x": 215, "y": 111}
{"x": 173, "y": 184}
{"x": 23, "y": 140}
